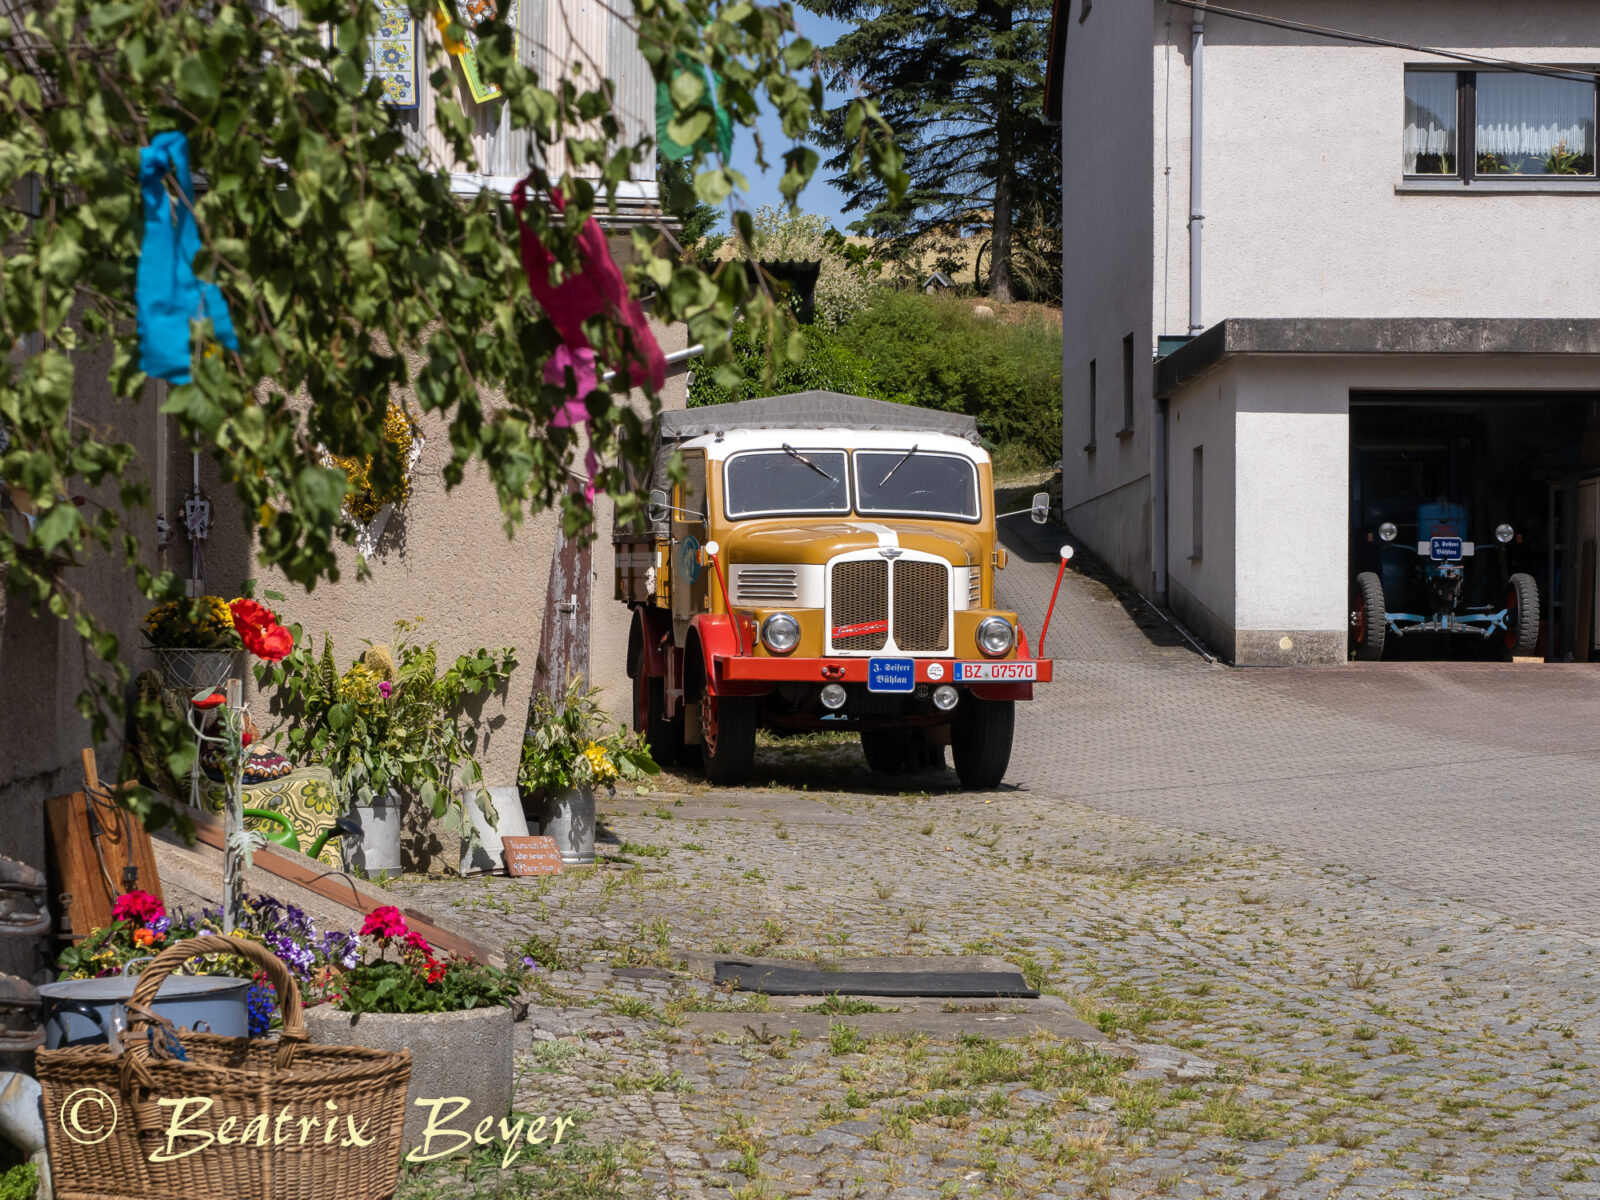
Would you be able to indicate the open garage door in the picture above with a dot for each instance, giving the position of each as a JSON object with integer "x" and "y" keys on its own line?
{"x": 1465, "y": 510}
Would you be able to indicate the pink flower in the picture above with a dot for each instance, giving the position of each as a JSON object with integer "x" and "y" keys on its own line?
{"x": 139, "y": 908}
{"x": 385, "y": 922}
{"x": 385, "y": 689}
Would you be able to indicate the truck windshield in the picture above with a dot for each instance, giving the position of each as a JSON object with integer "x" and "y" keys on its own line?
{"x": 913, "y": 482}
{"x": 794, "y": 480}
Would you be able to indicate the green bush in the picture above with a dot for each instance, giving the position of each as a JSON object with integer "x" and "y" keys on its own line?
{"x": 929, "y": 351}
{"x": 21, "y": 1182}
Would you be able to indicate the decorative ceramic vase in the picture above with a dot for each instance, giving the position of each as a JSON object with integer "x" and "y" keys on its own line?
{"x": 378, "y": 847}
{"x": 485, "y": 853}
{"x": 569, "y": 818}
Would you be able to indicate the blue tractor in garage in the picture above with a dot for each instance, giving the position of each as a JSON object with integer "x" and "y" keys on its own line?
{"x": 1424, "y": 583}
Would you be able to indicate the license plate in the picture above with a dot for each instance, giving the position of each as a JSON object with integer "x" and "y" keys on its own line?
{"x": 1446, "y": 549}
{"x": 990, "y": 672}
{"x": 891, "y": 674}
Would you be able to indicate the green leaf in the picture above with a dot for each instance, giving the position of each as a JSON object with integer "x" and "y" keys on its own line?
{"x": 200, "y": 76}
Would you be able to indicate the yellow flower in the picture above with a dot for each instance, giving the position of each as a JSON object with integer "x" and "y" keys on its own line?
{"x": 601, "y": 765}
{"x": 359, "y": 685}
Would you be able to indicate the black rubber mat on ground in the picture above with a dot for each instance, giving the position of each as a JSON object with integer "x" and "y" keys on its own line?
{"x": 809, "y": 981}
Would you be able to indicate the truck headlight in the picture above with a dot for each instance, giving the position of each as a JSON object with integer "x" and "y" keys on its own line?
{"x": 996, "y": 637}
{"x": 1387, "y": 531}
{"x": 1504, "y": 533}
{"x": 780, "y": 633}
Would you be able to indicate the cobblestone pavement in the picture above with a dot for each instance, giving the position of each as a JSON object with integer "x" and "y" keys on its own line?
{"x": 1417, "y": 1022}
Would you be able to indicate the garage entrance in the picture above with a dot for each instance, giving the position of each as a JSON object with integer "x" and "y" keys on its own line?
{"x": 1427, "y": 469}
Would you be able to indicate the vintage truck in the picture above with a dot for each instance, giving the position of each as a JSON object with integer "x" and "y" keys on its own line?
{"x": 823, "y": 562}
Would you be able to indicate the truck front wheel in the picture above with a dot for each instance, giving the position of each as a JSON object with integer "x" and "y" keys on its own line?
{"x": 1522, "y": 617}
{"x": 727, "y": 737}
{"x": 980, "y": 740}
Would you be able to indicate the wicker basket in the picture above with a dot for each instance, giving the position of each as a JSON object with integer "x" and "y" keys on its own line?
{"x": 104, "y": 1120}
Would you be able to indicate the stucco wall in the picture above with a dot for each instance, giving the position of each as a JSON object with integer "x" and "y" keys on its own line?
{"x": 1303, "y": 158}
{"x": 1201, "y": 589}
{"x": 1105, "y": 140}
{"x": 42, "y": 660}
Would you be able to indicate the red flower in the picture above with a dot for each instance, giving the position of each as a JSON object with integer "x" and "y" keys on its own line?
{"x": 207, "y": 702}
{"x": 417, "y": 942}
{"x": 138, "y": 907}
{"x": 385, "y": 922}
{"x": 259, "y": 630}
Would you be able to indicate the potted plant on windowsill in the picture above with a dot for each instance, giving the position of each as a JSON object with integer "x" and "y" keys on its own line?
{"x": 454, "y": 1014}
{"x": 565, "y": 757}
{"x": 389, "y": 727}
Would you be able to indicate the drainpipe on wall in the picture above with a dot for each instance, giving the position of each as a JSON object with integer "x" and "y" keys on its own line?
{"x": 1158, "y": 503}
{"x": 1197, "y": 218}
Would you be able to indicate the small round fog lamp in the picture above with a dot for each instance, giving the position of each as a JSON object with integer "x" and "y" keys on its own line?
{"x": 1387, "y": 531}
{"x": 945, "y": 697}
{"x": 834, "y": 696}
{"x": 1504, "y": 533}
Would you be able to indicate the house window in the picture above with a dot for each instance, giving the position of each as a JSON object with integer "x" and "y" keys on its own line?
{"x": 1499, "y": 124}
{"x": 1093, "y": 373}
{"x": 1127, "y": 387}
{"x": 1197, "y": 517}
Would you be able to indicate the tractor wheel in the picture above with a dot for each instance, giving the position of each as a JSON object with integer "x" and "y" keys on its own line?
{"x": 727, "y": 737}
{"x": 886, "y": 751}
{"x": 980, "y": 740}
{"x": 1368, "y": 619}
{"x": 664, "y": 737}
{"x": 1522, "y": 616}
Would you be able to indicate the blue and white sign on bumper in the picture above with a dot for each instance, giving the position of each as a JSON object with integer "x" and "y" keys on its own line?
{"x": 1445, "y": 549}
{"x": 891, "y": 675}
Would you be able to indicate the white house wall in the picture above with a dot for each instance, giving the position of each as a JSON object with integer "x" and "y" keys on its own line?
{"x": 1105, "y": 143}
{"x": 1201, "y": 589}
{"x": 1306, "y": 211}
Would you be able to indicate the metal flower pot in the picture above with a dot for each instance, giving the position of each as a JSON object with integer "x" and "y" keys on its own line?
{"x": 79, "y": 1012}
{"x": 568, "y": 817}
{"x": 378, "y": 847}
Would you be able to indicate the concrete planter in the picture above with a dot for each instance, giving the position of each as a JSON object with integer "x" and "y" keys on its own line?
{"x": 484, "y": 854}
{"x": 463, "y": 1054}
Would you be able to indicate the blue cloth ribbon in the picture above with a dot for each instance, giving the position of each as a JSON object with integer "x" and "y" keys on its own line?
{"x": 170, "y": 296}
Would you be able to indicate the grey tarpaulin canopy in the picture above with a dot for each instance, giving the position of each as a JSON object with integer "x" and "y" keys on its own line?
{"x": 813, "y": 410}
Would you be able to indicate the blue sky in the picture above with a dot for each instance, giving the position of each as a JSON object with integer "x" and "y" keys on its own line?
{"x": 819, "y": 197}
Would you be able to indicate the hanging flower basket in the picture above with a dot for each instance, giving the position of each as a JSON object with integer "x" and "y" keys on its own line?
{"x": 189, "y": 671}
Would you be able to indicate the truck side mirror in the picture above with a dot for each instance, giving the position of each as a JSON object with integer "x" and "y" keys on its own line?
{"x": 658, "y": 512}
{"x": 1040, "y": 513}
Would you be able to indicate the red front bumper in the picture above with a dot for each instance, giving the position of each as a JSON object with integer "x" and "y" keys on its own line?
{"x": 1004, "y": 679}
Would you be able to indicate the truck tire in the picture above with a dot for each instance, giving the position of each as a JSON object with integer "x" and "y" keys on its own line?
{"x": 980, "y": 741}
{"x": 1368, "y": 619}
{"x": 665, "y": 738}
{"x": 1522, "y": 616}
{"x": 885, "y": 751}
{"x": 727, "y": 737}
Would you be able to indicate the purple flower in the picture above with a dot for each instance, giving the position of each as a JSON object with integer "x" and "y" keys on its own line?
{"x": 385, "y": 688}
{"x": 528, "y": 964}
{"x": 161, "y": 924}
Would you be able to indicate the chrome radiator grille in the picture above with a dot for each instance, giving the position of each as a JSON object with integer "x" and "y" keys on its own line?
{"x": 859, "y": 616}
{"x": 759, "y": 586}
{"x": 921, "y": 605}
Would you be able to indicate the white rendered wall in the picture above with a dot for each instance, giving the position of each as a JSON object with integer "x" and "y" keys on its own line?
{"x": 1303, "y": 158}
{"x": 1105, "y": 138}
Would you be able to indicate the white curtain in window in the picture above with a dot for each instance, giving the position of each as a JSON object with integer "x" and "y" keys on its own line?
{"x": 1532, "y": 115}
{"x": 1430, "y": 115}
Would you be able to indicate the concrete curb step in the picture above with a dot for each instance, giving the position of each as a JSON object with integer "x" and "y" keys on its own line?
{"x": 939, "y": 1026}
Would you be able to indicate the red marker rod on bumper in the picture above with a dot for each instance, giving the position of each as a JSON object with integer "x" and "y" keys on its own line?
{"x": 727, "y": 597}
{"x": 1066, "y": 556}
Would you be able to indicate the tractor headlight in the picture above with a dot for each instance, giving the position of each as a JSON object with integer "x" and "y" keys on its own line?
{"x": 996, "y": 637}
{"x": 780, "y": 633}
{"x": 1387, "y": 531}
{"x": 1504, "y": 533}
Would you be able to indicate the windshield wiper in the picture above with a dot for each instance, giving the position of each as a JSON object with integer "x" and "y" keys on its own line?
{"x": 793, "y": 453}
{"x": 898, "y": 465}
